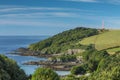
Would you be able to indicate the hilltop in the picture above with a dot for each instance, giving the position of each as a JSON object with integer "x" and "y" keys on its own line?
{"x": 108, "y": 40}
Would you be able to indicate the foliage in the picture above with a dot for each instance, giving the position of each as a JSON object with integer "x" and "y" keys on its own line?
{"x": 92, "y": 58}
{"x": 105, "y": 68}
{"x": 67, "y": 58}
{"x": 78, "y": 70}
{"x": 45, "y": 74}
{"x": 63, "y": 41}
{"x": 108, "y": 70}
{"x": 9, "y": 70}
{"x": 63, "y": 58}
{"x": 70, "y": 77}
{"x": 114, "y": 50}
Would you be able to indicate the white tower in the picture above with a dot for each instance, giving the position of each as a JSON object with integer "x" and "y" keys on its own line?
{"x": 103, "y": 25}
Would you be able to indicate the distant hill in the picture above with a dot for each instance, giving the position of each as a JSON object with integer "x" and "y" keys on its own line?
{"x": 109, "y": 40}
{"x": 63, "y": 41}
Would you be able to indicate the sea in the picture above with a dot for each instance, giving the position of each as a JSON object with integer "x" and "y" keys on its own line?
{"x": 10, "y": 43}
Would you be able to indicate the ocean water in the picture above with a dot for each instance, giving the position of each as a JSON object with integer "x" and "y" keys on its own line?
{"x": 11, "y": 43}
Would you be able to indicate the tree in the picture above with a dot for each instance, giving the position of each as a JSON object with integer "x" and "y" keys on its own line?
{"x": 78, "y": 70}
{"x": 45, "y": 74}
{"x": 9, "y": 70}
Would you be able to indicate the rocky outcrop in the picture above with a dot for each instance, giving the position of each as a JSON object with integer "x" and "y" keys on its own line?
{"x": 27, "y": 52}
{"x": 74, "y": 51}
{"x": 66, "y": 66}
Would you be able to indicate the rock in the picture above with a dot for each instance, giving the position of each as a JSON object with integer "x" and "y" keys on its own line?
{"x": 74, "y": 51}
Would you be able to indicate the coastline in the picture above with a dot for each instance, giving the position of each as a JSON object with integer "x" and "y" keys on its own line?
{"x": 55, "y": 65}
{"x": 61, "y": 66}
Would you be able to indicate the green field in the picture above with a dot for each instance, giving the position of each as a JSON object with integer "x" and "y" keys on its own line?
{"x": 104, "y": 40}
{"x": 113, "y": 50}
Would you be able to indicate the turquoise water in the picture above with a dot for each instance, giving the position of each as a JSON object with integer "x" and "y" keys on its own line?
{"x": 10, "y": 43}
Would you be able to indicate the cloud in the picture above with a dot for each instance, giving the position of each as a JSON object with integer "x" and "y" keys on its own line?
{"x": 27, "y": 8}
{"x": 40, "y": 12}
{"x": 115, "y": 2}
{"x": 90, "y": 1}
{"x": 43, "y": 16}
{"x": 36, "y": 12}
{"x": 37, "y": 15}
{"x": 19, "y": 9}
{"x": 29, "y": 23}
{"x": 46, "y": 16}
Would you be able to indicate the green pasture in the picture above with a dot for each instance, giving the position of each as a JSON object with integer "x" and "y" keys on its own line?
{"x": 104, "y": 40}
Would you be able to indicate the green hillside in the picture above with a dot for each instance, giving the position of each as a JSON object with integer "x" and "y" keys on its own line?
{"x": 106, "y": 40}
{"x": 63, "y": 41}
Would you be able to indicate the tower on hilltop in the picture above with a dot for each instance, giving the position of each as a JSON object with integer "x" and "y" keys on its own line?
{"x": 103, "y": 25}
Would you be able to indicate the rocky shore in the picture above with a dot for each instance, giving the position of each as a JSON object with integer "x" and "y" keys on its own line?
{"x": 56, "y": 65}
{"x": 26, "y": 52}
{"x": 64, "y": 66}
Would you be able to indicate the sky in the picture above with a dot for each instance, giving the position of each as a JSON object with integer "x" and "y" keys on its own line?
{"x": 49, "y": 17}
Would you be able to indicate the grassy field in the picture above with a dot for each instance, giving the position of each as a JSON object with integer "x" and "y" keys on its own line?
{"x": 113, "y": 50}
{"x": 104, "y": 40}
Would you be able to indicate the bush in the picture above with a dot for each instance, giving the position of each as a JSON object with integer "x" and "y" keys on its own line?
{"x": 67, "y": 58}
{"x": 45, "y": 74}
{"x": 107, "y": 68}
{"x": 70, "y": 77}
{"x": 78, "y": 70}
{"x": 9, "y": 70}
{"x": 93, "y": 58}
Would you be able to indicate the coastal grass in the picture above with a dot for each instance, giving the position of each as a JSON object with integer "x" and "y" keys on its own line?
{"x": 113, "y": 50}
{"x": 104, "y": 40}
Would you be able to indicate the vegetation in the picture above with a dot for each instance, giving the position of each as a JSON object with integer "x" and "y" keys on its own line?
{"x": 45, "y": 74}
{"x": 64, "y": 58}
{"x": 63, "y": 41}
{"x": 70, "y": 77}
{"x": 99, "y": 64}
{"x": 77, "y": 70}
{"x": 67, "y": 58}
{"x": 113, "y": 50}
{"x": 9, "y": 70}
{"x": 104, "y": 40}
{"x": 108, "y": 69}
{"x": 92, "y": 59}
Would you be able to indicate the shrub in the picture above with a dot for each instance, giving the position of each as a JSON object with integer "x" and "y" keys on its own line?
{"x": 45, "y": 74}
{"x": 9, "y": 70}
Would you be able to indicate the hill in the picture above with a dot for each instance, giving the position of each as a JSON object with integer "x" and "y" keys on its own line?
{"x": 63, "y": 41}
{"x": 108, "y": 40}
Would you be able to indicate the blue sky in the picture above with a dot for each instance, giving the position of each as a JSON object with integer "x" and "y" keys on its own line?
{"x": 49, "y": 17}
